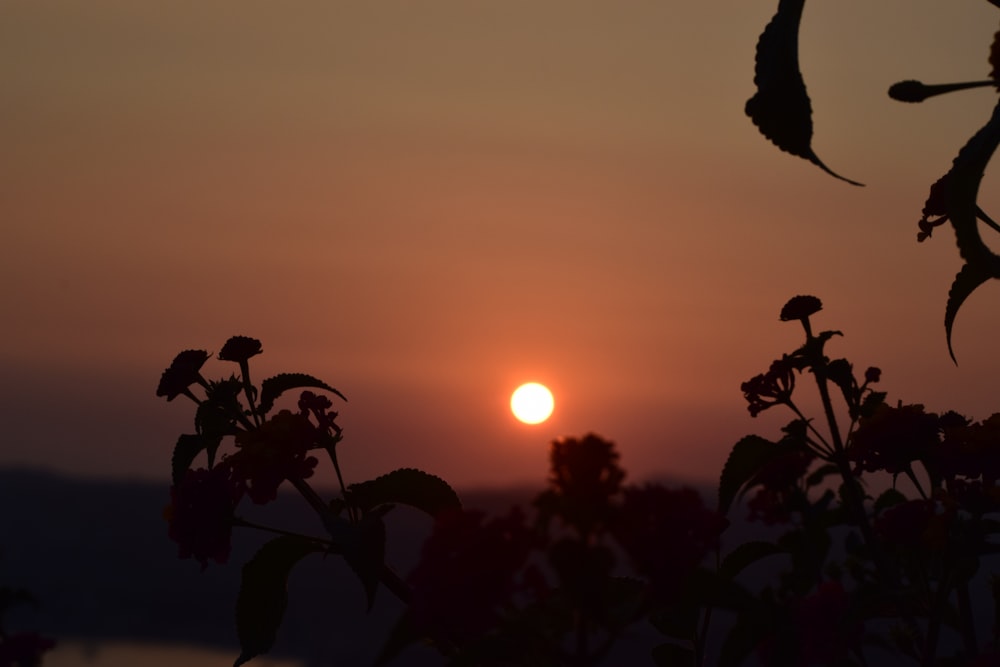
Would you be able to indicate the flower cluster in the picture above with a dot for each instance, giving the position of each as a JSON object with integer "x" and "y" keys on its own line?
{"x": 267, "y": 449}
{"x": 769, "y": 389}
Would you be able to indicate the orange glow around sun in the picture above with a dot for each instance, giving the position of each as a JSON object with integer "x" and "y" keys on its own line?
{"x": 532, "y": 403}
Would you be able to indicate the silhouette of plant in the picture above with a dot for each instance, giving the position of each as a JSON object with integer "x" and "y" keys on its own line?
{"x": 271, "y": 448}
{"x": 863, "y": 566}
{"x": 862, "y": 571}
{"x": 782, "y": 112}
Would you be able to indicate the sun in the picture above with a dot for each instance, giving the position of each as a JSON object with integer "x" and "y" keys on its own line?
{"x": 532, "y": 403}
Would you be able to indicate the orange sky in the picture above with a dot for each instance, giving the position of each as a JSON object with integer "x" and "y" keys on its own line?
{"x": 426, "y": 204}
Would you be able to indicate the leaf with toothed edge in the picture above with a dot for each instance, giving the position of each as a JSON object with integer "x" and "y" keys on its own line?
{"x": 781, "y": 109}
{"x": 406, "y": 486}
{"x": 273, "y": 387}
{"x": 968, "y": 279}
{"x": 745, "y": 460}
{"x": 956, "y": 197}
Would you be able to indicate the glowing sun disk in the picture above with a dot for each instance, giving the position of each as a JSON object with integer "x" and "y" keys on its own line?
{"x": 532, "y": 403}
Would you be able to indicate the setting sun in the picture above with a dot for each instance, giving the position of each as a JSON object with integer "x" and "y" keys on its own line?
{"x": 532, "y": 403}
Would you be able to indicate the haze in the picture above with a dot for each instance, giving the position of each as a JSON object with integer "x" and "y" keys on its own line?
{"x": 427, "y": 204}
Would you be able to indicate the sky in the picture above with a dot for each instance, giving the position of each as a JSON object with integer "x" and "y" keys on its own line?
{"x": 427, "y": 204}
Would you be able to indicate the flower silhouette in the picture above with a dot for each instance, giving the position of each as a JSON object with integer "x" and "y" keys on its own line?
{"x": 274, "y": 452}
{"x": 200, "y": 514}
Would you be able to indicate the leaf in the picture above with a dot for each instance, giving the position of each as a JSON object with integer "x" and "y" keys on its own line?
{"x": 955, "y": 197}
{"x": 995, "y": 52}
{"x": 263, "y": 595}
{"x": 745, "y": 555}
{"x": 819, "y": 474}
{"x": 841, "y": 373}
{"x": 746, "y": 458}
{"x": 781, "y": 109}
{"x": 968, "y": 279}
{"x": 403, "y": 634}
{"x": 187, "y": 448}
{"x": 406, "y": 486}
{"x": 367, "y": 559}
{"x": 673, "y": 655}
{"x": 273, "y": 387}
{"x": 887, "y": 499}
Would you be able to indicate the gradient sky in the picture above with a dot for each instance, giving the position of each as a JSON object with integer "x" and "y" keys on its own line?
{"x": 428, "y": 203}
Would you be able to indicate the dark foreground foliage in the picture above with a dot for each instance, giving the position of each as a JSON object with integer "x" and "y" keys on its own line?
{"x": 886, "y": 519}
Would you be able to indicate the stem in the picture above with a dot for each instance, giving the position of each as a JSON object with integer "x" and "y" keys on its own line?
{"x": 310, "y": 495}
{"x": 916, "y": 482}
{"x": 831, "y": 418}
{"x": 248, "y": 390}
{"x": 240, "y": 522}
{"x": 808, "y": 422}
{"x": 857, "y": 504}
{"x": 331, "y": 450}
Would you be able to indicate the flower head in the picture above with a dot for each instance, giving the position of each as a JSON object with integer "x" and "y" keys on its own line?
{"x": 800, "y": 307}
{"x": 200, "y": 513}
{"x": 240, "y": 349}
{"x": 184, "y": 371}
{"x": 274, "y": 452}
{"x": 892, "y": 438}
{"x": 935, "y": 207}
{"x": 769, "y": 389}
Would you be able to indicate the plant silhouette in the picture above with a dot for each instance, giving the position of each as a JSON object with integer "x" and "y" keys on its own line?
{"x": 560, "y": 583}
{"x": 782, "y": 112}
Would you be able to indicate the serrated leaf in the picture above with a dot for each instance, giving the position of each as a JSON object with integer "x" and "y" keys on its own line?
{"x": 263, "y": 596}
{"x": 781, "y": 109}
{"x": 273, "y": 387}
{"x": 994, "y": 59}
{"x": 673, "y": 655}
{"x": 954, "y": 196}
{"x": 406, "y": 486}
{"x": 968, "y": 279}
{"x": 745, "y": 459}
{"x": 745, "y": 555}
